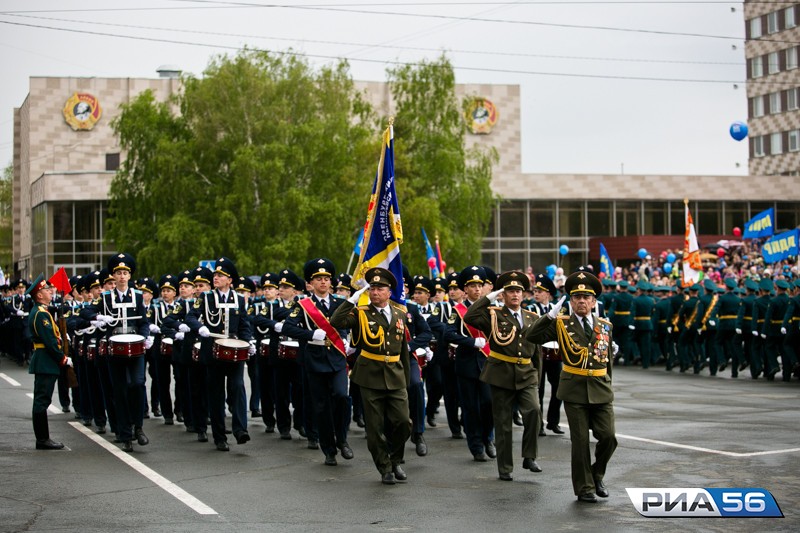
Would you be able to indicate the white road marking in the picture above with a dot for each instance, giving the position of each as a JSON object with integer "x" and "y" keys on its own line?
{"x": 162, "y": 482}
{"x": 52, "y": 408}
{"x": 11, "y": 380}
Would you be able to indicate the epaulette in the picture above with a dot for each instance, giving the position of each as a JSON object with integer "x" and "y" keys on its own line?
{"x": 495, "y": 307}
{"x": 563, "y": 317}
{"x": 250, "y": 310}
{"x": 295, "y": 312}
{"x": 530, "y": 312}
{"x": 363, "y": 307}
{"x": 96, "y": 301}
{"x": 604, "y": 320}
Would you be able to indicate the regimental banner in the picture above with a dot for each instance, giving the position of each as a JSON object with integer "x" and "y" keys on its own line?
{"x": 761, "y": 225}
{"x": 606, "y": 266}
{"x": 82, "y": 111}
{"x": 781, "y": 246}
{"x": 481, "y": 116}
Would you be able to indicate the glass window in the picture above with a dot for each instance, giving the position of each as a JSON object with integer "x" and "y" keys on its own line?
{"x": 788, "y": 18}
{"x": 655, "y": 218}
{"x": 757, "y": 67}
{"x": 758, "y": 146}
{"x": 791, "y": 99}
{"x": 787, "y": 215}
{"x": 772, "y": 22}
{"x": 794, "y": 140}
{"x": 677, "y": 222}
{"x": 489, "y": 258}
{"x": 776, "y": 143}
{"x": 598, "y": 219}
{"x": 758, "y": 106}
{"x": 540, "y": 260}
{"x": 61, "y": 221}
{"x": 570, "y": 219}
{"x": 774, "y": 103}
{"x": 542, "y": 219}
{"x": 112, "y": 161}
{"x": 708, "y": 218}
{"x": 491, "y": 231}
{"x": 512, "y": 219}
{"x": 773, "y": 63}
{"x": 791, "y": 58}
{"x": 755, "y": 28}
{"x": 735, "y": 215}
{"x": 627, "y": 218}
{"x": 513, "y": 261}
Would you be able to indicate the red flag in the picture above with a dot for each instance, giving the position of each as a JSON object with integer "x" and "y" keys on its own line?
{"x": 60, "y": 281}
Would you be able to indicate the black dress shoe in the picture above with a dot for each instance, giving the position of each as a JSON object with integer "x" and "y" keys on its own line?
{"x": 116, "y": 439}
{"x": 360, "y": 421}
{"x": 302, "y": 431}
{"x": 270, "y": 428}
{"x": 531, "y": 464}
{"x": 141, "y": 438}
{"x": 542, "y": 433}
{"x": 286, "y": 435}
{"x": 101, "y": 430}
{"x": 480, "y": 457}
{"x": 202, "y": 436}
{"x": 65, "y": 409}
{"x": 169, "y": 422}
{"x": 458, "y": 435}
{"x": 179, "y": 417}
{"x": 242, "y": 437}
{"x": 87, "y": 423}
{"x": 347, "y": 451}
{"x": 387, "y": 478}
{"x": 600, "y": 488}
{"x": 330, "y": 459}
{"x": 156, "y": 412}
{"x": 228, "y": 431}
{"x": 399, "y": 473}
{"x": 190, "y": 429}
{"x": 587, "y": 497}
{"x": 556, "y": 429}
{"x": 313, "y": 444}
{"x": 127, "y": 446}
{"x": 517, "y": 418}
{"x": 422, "y": 447}
{"x": 431, "y": 421}
{"x": 491, "y": 451}
{"x": 256, "y": 413}
{"x": 48, "y": 444}
{"x": 223, "y": 446}
{"x": 506, "y": 477}
{"x": 146, "y": 415}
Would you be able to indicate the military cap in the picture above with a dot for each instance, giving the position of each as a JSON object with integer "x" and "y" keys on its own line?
{"x": 202, "y": 273}
{"x": 287, "y": 277}
{"x": 452, "y": 280}
{"x": 709, "y": 285}
{"x": 187, "y": 277}
{"x": 739, "y": 290}
{"x": 21, "y": 283}
{"x": 80, "y": 284}
{"x": 245, "y": 284}
{"x": 74, "y": 281}
{"x": 38, "y": 284}
{"x": 513, "y": 279}
{"x": 122, "y": 262}
{"x": 421, "y": 283}
{"x": 583, "y": 282}
{"x": 782, "y": 284}
{"x": 490, "y": 275}
{"x": 679, "y": 283}
{"x": 319, "y": 267}
{"x": 674, "y": 288}
{"x": 227, "y": 267}
{"x": 631, "y": 288}
{"x": 408, "y": 279}
{"x": 750, "y": 284}
{"x": 270, "y": 279}
{"x": 92, "y": 279}
{"x": 377, "y": 276}
{"x": 343, "y": 281}
{"x": 731, "y": 283}
{"x": 765, "y": 285}
{"x": 168, "y": 281}
{"x": 471, "y": 274}
{"x": 642, "y": 285}
{"x": 695, "y": 287}
{"x": 544, "y": 283}
{"x": 607, "y": 282}
{"x": 622, "y": 284}
{"x": 147, "y": 285}
{"x": 105, "y": 276}
{"x": 440, "y": 284}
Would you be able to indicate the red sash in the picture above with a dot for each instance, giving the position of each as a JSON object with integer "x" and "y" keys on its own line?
{"x": 461, "y": 309}
{"x": 322, "y": 323}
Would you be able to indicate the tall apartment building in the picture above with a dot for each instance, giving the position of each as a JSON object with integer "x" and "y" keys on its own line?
{"x": 773, "y": 87}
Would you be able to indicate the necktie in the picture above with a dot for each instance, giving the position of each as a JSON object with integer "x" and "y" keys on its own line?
{"x": 324, "y": 305}
{"x": 587, "y": 328}
{"x": 387, "y": 316}
{"x": 517, "y": 318}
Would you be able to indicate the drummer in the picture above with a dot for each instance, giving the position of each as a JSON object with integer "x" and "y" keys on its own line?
{"x": 123, "y": 311}
{"x": 163, "y": 353}
{"x": 216, "y": 315}
{"x": 543, "y": 293}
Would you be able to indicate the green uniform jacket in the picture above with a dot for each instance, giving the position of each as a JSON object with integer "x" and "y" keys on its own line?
{"x": 706, "y": 309}
{"x": 505, "y": 338}
{"x": 662, "y": 315}
{"x": 728, "y": 311}
{"x": 760, "y": 306}
{"x": 621, "y": 308}
{"x": 366, "y": 372}
{"x": 775, "y": 313}
{"x": 47, "y": 354}
{"x": 572, "y": 387}
{"x": 744, "y": 320}
{"x": 643, "y": 306}
{"x": 791, "y": 319}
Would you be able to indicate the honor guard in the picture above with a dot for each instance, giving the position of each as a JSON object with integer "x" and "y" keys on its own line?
{"x": 728, "y": 342}
{"x": 791, "y": 328}
{"x": 760, "y": 362}
{"x": 621, "y": 318}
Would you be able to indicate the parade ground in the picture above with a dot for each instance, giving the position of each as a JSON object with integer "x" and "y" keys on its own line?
{"x": 674, "y": 430}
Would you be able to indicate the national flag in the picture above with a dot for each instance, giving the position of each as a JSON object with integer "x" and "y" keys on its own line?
{"x": 60, "y": 281}
{"x": 692, "y": 266}
{"x": 433, "y": 263}
{"x": 781, "y": 246}
{"x": 359, "y": 243}
{"x": 606, "y": 266}
{"x": 383, "y": 231}
{"x": 442, "y": 265}
{"x": 761, "y": 225}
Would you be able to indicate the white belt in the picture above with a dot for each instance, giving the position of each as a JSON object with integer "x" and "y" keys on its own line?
{"x": 317, "y": 343}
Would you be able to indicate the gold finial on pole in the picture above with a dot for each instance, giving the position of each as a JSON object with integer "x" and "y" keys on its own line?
{"x": 391, "y": 120}
{"x": 685, "y": 201}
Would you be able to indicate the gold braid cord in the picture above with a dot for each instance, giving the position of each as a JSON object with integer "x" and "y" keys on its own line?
{"x": 366, "y": 334}
{"x": 709, "y": 310}
{"x": 500, "y": 339}
{"x": 571, "y": 347}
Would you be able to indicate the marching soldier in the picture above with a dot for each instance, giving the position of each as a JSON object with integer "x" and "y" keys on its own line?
{"x": 512, "y": 370}
{"x": 148, "y": 287}
{"x": 760, "y": 306}
{"x": 431, "y": 311}
{"x": 19, "y": 310}
{"x": 791, "y": 328}
{"x": 246, "y": 288}
{"x": 621, "y": 318}
{"x": 771, "y": 330}
{"x": 642, "y": 326}
{"x": 164, "y": 354}
{"x": 688, "y": 351}
{"x": 706, "y": 326}
{"x": 267, "y": 309}
{"x": 728, "y": 343}
{"x": 743, "y": 325}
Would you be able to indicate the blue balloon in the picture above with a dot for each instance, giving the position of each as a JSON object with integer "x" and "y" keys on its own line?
{"x": 738, "y": 130}
{"x": 667, "y": 268}
{"x": 671, "y": 258}
{"x": 551, "y": 271}
{"x": 564, "y": 249}
{"x": 642, "y": 253}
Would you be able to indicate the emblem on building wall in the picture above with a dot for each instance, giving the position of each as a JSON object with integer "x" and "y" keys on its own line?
{"x": 481, "y": 115}
{"x": 82, "y": 111}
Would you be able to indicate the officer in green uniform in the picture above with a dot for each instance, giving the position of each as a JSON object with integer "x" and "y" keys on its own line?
{"x": 642, "y": 325}
{"x": 662, "y": 316}
{"x": 620, "y": 313}
{"x": 688, "y": 350}
{"x": 791, "y": 328}
{"x": 743, "y": 324}
{"x": 47, "y": 361}
{"x": 512, "y": 369}
{"x": 705, "y": 324}
{"x": 773, "y": 320}
{"x": 760, "y": 305}
{"x": 381, "y": 370}
{"x": 727, "y": 341}
{"x": 585, "y": 342}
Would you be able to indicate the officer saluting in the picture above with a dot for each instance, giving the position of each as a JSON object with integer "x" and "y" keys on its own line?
{"x": 381, "y": 370}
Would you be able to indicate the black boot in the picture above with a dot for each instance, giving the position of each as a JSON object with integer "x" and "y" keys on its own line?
{"x": 42, "y": 432}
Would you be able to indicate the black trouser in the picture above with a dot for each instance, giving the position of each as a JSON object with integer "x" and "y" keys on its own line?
{"x": 127, "y": 375}
{"x": 151, "y": 356}
{"x": 416, "y": 398}
{"x": 476, "y": 403}
{"x": 552, "y": 371}
{"x": 199, "y": 395}
{"x": 104, "y": 377}
{"x": 728, "y": 346}
{"x": 452, "y": 400}
{"x": 164, "y": 377}
{"x": 253, "y": 368}
{"x": 289, "y": 389}
{"x": 330, "y": 408}
{"x": 309, "y": 423}
{"x": 434, "y": 386}
{"x": 266, "y": 381}
{"x": 226, "y": 376}
{"x": 95, "y": 393}
{"x": 356, "y": 403}
{"x": 183, "y": 393}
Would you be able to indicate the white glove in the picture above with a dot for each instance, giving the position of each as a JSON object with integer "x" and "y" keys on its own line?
{"x": 252, "y": 349}
{"x": 154, "y": 329}
{"x": 783, "y": 331}
{"x": 738, "y": 331}
{"x": 614, "y": 347}
{"x": 631, "y": 327}
{"x": 105, "y": 318}
{"x": 553, "y": 312}
{"x": 428, "y": 354}
{"x": 318, "y": 335}
{"x": 20, "y": 312}
{"x": 347, "y": 348}
{"x": 419, "y": 351}
{"x": 356, "y": 295}
{"x": 184, "y": 328}
{"x": 148, "y": 343}
{"x": 69, "y": 361}
{"x": 493, "y": 295}
{"x": 755, "y": 334}
{"x": 179, "y": 336}
{"x": 763, "y": 335}
{"x": 699, "y": 331}
{"x": 98, "y": 323}
{"x": 669, "y": 329}
{"x": 278, "y": 327}
{"x": 480, "y": 342}
{"x": 712, "y": 323}
{"x": 203, "y": 332}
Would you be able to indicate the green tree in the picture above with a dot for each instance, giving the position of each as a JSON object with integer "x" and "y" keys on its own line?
{"x": 262, "y": 163}
{"x": 441, "y": 185}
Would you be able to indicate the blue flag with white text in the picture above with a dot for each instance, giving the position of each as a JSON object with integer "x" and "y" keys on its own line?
{"x": 761, "y": 225}
{"x": 780, "y": 246}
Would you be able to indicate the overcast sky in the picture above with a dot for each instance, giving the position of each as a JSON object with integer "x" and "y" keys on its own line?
{"x": 598, "y": 78}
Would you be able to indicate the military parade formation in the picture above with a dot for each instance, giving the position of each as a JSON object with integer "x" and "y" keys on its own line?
{"x": 320, "y": 355}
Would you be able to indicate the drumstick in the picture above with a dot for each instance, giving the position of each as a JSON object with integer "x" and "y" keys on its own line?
{"x": 218, "y": 335}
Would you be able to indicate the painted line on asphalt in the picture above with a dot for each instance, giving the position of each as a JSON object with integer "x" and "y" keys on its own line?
{"x": 11, "y": 380}
{"x": 159, "y": 480}
{"x": 52, "y": 408}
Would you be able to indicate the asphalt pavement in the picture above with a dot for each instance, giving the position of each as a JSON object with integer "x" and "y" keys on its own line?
{"x": 674, "y": 430}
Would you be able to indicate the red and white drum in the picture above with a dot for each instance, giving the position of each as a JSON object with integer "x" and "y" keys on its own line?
{"x": 102, "y": 347}
{"x": 127, "y": 345}
{"x": 196, "y": 351}
{"x": 263, "y": 348}
{"x": 91, "y": 350}
{"x": 550, "y": 351}
{"x": 166, "y": 347}
{"x": 231, "y": 350}
{"x": 288, "y": 350}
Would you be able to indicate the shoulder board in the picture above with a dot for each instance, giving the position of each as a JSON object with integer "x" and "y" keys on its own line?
{"x": 604, "y": 320}
{"x": 197, "y": 303}
{"x": 564, "y": 317}
{"x": 290, "y": 304}
{"x": 528, "y": 311}
{"x": 495, "y": 307}
{"x": 452, "y": 318}
{"x": 435, "y": 310}
{"x": 177, "y": 310}
{"x": 250, "y": 310}
{"x": 363, "y": 307}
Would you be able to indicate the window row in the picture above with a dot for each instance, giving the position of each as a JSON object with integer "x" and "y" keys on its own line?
{"x": 772, "y": 63}
{"x": 773, "y": 22}
{"x": 775, "y": 143}
{"x": 774, "y": 103}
